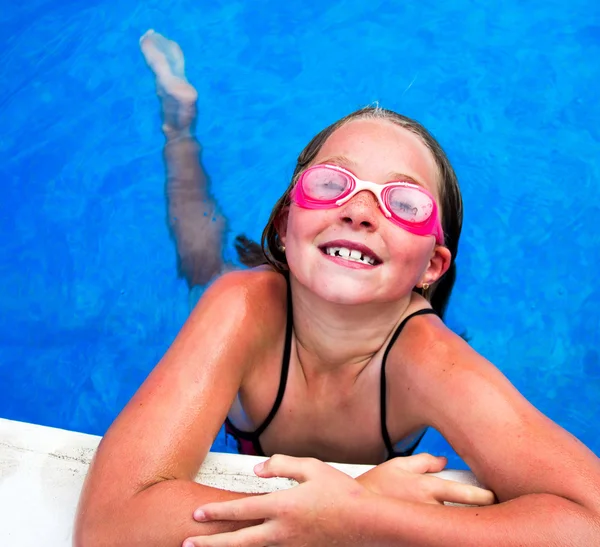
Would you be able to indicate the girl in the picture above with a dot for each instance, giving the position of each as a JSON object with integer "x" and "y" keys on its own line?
{"x": 335, "y": 350}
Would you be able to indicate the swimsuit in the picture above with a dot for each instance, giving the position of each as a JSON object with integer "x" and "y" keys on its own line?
{"x": 249, "y": 442}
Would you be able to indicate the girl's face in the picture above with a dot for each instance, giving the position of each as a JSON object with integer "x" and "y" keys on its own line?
{"x": 378, "y": 151}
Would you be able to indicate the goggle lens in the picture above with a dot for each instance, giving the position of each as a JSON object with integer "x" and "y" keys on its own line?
{"x": 325, "y": 184}
{"x": 409, "y": 204}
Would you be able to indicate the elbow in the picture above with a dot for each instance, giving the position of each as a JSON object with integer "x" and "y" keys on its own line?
{"x": 595, "y": 527}
{"x": 92, "y": 528}
{"x": 82, "y": 538}
{"x": 86, "y": 533}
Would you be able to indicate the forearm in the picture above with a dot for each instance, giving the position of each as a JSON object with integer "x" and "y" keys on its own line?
{"x": 539, "y": 520}
{"x": 159, "y": 516}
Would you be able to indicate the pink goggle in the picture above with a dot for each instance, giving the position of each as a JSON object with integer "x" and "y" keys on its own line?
{"x": 408, "y": 205}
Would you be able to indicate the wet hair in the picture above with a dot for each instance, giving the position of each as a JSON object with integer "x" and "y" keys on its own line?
{"x": 270, "y": 251}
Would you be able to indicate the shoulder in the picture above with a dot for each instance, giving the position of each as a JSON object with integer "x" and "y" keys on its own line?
{"x": 411, "y": 358}
{"x": 262, "y": 280}
{"x": 253, "y": 299}
{"x": 450, "y": 386}
{"x": 435, "y": 365}
{"x": 247, "y": 309}
{"x": 510, "y": 445}
{"x": 428, "y": 350}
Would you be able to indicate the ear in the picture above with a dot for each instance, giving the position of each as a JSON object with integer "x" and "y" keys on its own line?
{"x": 438, "y": 265}
{"x": 281, "y": 222}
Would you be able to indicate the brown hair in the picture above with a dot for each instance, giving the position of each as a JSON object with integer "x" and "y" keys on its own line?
{"x": 270, "y": 251}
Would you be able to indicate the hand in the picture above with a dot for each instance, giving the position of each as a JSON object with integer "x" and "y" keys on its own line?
{"x": 319, "y": 511}
{"x": 406, "y": 479}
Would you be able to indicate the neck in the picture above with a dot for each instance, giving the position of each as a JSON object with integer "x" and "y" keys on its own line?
{"x": 333, "y": 337}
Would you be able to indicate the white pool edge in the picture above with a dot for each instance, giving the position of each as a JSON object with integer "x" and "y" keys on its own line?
{"x": 42, "y": 470}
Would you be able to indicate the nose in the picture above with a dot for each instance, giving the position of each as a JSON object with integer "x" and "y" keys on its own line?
{"x": 362, "y": 211}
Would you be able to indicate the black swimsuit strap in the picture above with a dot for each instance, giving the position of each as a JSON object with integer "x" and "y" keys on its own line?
{"x": 285, "y": 364}
{"x": 383, "y": 387}
{"x": 285, "y": 367}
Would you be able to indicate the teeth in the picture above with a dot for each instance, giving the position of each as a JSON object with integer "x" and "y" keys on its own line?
{"x": 348, "y": 254}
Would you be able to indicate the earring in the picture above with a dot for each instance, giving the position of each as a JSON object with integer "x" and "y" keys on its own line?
{"x": 425, "y": 287}
{"x": 282, "y": 248}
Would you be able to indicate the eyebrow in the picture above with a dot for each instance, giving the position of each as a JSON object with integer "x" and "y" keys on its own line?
{"x": 347, "y": 163}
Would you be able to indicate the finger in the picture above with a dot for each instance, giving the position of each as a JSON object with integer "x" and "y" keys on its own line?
{"x": 456, "y": 492}
{"x": 299, "y": 469}
{"x": 421, "y": 463}
{"x": 255, "y": 536}
{"x": 250, "y": 508}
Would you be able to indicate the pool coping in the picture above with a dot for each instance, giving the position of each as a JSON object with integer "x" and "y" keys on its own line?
{"x": 42, "y": 470}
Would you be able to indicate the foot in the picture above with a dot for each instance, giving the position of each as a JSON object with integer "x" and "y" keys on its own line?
{"x": 177, "y": 95}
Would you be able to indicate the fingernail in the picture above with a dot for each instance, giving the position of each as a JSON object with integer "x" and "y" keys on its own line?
{"x": 259, "y": 467}
{"x": 188, "y": 544}
{"x": 198, "y": 515}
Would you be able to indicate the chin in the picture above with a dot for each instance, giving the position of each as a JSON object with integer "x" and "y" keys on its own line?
{"x": 333, "y": 283}
{"x": 343, "y": 290}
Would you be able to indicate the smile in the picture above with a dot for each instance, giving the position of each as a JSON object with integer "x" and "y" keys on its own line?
{"x": 351, "y": 251}
{"x": 348, "y": 254}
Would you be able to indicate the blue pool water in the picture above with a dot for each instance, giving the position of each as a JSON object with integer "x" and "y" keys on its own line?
{"x": 89, "y": 298}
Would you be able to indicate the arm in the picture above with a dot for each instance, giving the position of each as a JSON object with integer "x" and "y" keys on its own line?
{"x": 140, "y": 489}
{"x": 329, "y": 508}
{"x": 547, "y": 482}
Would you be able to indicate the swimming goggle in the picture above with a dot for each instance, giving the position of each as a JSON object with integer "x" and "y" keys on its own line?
{"x": 408, "y": 205}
